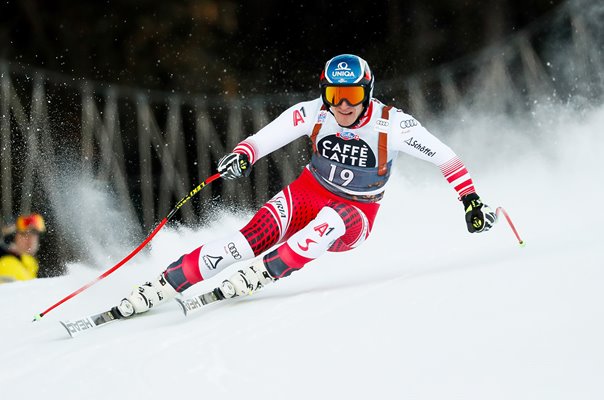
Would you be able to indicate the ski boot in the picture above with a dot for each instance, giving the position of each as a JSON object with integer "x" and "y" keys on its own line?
{"x": 246, "y": 281}
{"x": 145, "y": 297}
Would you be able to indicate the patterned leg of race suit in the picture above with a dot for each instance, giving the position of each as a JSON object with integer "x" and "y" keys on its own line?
{"x": 337, "y": 227}
{"x": 304, "y": 215}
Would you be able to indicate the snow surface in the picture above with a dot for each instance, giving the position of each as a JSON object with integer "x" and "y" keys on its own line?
{"x": 423, "y": 310}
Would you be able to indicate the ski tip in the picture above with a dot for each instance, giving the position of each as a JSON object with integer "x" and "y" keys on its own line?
{"x": 182, "y": 305}
{"x": 67, "y": 328}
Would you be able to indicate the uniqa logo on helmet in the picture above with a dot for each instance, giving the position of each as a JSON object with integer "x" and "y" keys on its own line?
{"x": 345, "y": 71}
{"x": 342, "y": 70}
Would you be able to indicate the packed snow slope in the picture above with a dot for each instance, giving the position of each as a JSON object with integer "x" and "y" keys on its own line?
{"x": 423, "y": 310}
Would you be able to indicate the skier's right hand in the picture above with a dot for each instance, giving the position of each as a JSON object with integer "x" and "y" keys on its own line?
{"x": 234, "y": 165}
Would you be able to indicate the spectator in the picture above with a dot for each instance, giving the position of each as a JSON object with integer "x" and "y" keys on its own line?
{"x": 18, "y": 258}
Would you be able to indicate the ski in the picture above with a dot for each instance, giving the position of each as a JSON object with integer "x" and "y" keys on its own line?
{"x": 195, "y": 303}
{"x": 85, "y": 324}
{"x": 93, "y": 321}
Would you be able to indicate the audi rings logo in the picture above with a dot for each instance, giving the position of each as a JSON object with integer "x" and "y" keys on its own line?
{"x": 384, "y": 123}
{"x": 409, "y": 123}
{"x": 233, "y": 249}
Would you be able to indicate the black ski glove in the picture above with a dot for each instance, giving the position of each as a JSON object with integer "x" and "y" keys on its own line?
{"x": 479, "y": 217}
{"x": 234, "y": 165}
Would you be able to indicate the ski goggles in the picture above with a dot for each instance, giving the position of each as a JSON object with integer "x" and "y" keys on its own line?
{"x": 335, "y": 95}
{"x": 32, "y": 222}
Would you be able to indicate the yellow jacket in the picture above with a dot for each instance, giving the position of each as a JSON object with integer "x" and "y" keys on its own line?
{"x": 17, "y": 268}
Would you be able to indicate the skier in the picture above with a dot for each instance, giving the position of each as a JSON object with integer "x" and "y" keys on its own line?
{"x": 331, "y": 206}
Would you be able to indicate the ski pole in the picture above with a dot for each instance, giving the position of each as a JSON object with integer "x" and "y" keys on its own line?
{"x": 507, "y": 217}
{"x": 135, "y": 251}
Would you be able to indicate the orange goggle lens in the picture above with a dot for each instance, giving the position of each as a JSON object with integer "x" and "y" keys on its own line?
{"x": 33, "y": 222}
{"x": 335, "y": 95}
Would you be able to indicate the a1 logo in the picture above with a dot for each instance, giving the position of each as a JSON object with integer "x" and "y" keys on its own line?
{"x": 323, "y": 229}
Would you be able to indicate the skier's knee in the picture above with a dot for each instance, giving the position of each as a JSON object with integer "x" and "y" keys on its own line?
{"x": 357, "y": 227}
{"x": 307, "y": 244}
{"x": 315, "y": 238}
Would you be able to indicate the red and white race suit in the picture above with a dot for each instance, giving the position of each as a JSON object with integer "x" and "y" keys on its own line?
{"x": 331, "y": 206}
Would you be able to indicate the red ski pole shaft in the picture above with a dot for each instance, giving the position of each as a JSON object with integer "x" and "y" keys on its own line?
{"x": 135, "y": 251}
{"x": 507, "y": 217}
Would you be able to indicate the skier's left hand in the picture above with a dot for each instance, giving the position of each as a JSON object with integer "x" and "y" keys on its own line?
{"x": 479, "y": 217}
